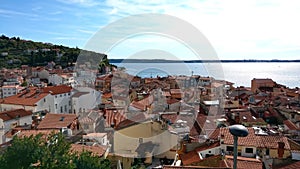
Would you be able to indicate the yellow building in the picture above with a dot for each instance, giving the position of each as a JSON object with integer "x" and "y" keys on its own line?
{"x": 143, "y": 140}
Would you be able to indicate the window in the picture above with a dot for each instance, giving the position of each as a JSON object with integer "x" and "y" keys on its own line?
{"x": 44, "y": 100}
{"x": 61, "y": 109}
{"x": 140, "y": 140}
{"x": 55, "y": 106}
{"x": 55, "y": 96}
{"x": 268, "y": 152}
{"x": 65, "y": 94}
{"x": 60, "y": 95}
{"x": 69, "y": 102}
{"x": 249, "y": 150}
{"x": 69, "y": 94}
{"x": 229, "y": 148}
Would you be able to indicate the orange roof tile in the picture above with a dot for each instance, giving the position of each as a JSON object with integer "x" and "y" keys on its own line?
{"x": 189, "y": 158}
{"x": 57, "y": 89}
{"x": 255, "y": 140}
{"x": 140, "y": 117}
{"x": 56, "y": 121}
{"x": 13, "y": 114}
{"x": 290, "y": 125}
{"x": 206, "y": 147}
{"x": 27, "y": 98}
{"x": 95, "y": 150}
{"x": 27, "y": 133}
{"x": 294, "y": 165}
{"x": 243, "y": 162}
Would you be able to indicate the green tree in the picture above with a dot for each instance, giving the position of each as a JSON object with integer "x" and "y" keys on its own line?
{"x": 87, "y": 161}
{"x": 103, "y": 64}
{"x": 51, "y": 152}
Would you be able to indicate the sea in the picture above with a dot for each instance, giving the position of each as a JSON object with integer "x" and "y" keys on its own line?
{"x": 240, "y": 73}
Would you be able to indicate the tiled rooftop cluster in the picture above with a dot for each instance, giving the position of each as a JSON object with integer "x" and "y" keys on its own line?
{"x": 178, "y": 121}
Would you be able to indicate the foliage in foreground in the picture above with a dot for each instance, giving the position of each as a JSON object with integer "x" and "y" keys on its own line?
{"x": 50, "y": 153}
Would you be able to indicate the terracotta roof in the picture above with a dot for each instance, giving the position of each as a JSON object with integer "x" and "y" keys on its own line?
{"x": 243, "y": 162}
{"x": 272, "y": 142}
{"x": 215, "y": 134}
{"x": 140, "y": 117}
{"x": 107, "y": 95}
{"x": 114, "y": 116}
{"x": 294, "y": 165}
{"x": 172, "y": 101}
{"x": 56, "y": 121}
{"x": 13, "y": 114}
{"x": 206, "y": 147}
{"x": 264, "y": 81}
{"x": 28, "y": 97}
{"x": 166, "y": 94}
{"x": 138, "y": 105}
{"x": 255, "y": 140}
{"x": 290, "y": 125}
{"x": 195, "y": 128}
{"x": 95, "y": 150}
{"x": 246, "y": 117}
{"x": 57, "y": 89}
{"x": 190, "y": 158}
{"x": 176, "y": 91}
{"x": 295, "y": 147}
{"x": 27, "y": 133}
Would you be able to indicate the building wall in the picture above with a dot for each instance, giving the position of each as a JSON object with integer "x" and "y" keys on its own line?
{"x": 128, "y": 139}
{"x": 6, "y": 107}
{"x": 44, "y": 74}
{"x": 54, "y": 79}
{"x": 7, "y": 125}
{"x": 2, "y": 131}
{"x": 9, "y": 91}
{"x": 274, "y": 153}
{"x": 62, "y": 103}
{"x": 86, "y": 102}
{"x": 296, "y": 156}
{"x": 241, "y": 150}
{"x": 212, "y": 151}
{"x": 245, "y": 154}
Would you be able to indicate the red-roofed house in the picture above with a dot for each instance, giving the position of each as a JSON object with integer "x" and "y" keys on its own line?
{"x": 13, "y": 118}
{"x": 65, "y": 122}
{"x": 262, "y": 84}
{"x": 55, "y": 99}
{"x": 132, "y": 133}
{"x": 97, "y": 150}
{"x": 272, "y": 146}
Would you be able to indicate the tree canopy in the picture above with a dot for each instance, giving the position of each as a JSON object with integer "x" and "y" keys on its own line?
{"x": 52, "y": 152}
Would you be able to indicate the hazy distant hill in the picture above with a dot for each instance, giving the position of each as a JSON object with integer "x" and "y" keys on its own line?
{"x": 192, "y": 61}
{"x": 15, "y": 52}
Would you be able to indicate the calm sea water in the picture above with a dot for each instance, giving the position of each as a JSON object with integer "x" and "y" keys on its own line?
{"x": 239, "y": 73}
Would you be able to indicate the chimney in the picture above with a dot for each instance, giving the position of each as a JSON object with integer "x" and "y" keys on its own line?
{"x": 280, "y": 150}
{"x": 237, "y": 118}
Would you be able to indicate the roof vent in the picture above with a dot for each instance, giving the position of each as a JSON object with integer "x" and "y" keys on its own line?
{"x": 62, "y": 118}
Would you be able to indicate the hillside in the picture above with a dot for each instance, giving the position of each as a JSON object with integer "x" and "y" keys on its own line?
{"x": 15, "y": 52}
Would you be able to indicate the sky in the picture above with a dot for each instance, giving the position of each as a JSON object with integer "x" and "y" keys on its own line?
{"x": 248, "y": 29}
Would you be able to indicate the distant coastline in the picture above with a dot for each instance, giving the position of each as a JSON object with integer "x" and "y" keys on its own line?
{"x": 195, "y": 61}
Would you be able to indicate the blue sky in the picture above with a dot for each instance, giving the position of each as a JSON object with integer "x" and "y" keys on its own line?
{"x": 248, "y": 29}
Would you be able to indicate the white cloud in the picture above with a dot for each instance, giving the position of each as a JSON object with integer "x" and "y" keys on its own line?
{"x": 12, "y": 13}
{"x": 85, "y": 3}
{"x": 249, "y": 28}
